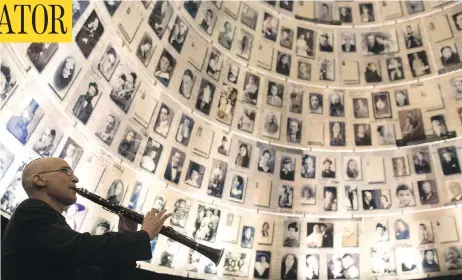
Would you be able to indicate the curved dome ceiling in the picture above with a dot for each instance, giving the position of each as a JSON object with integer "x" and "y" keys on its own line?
{"x": 296, "y": 116}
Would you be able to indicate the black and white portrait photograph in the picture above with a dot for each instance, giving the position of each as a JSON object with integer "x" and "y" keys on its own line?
{"x": 184, "y": 132}
{"x": 233, "y": 72}
{"x": 8, "y": 82}
{"x": 381, "y": 231}
{"x": 453, "y": 256}
{"x": 112, "y": 6}
{"x": 108, "y": 63}
{"x": 41, "y": 53}
{"x": 71, "y": 153}
{"x": 336, "y": 104}
{"x": 265, "y": 233}
{"x": 291, "y": 237}
{"x": 328, "y": 167}
{"x": 295, "y": 99}
{"x": 65, "y": 74}
{"x": 320, "y": 235}
{"x": 421, "y": 160}
{"x": 202, "y": 140}
{"x": 217, "y": 178}
{"x": 395, "y": 68}
{"x": 457, "y": 17}
{"x": 412, "y": 36}
{"x": 439, "y": 127}
{"x": 180, "y": 213}
{"x": 151, "y": 155}
{"x": 414, "y": 6}
{"x": 165, "y": 67}
{"x": 372, "y": 71}
{"x": 402, "y": 229}
{"x": 226, "y": 35}
{"x": 323, "y": 11}
{"x": 362, "y": 134}
{"x": 49, "y": 139}
{"x": 78, "y": 8}
{"x": 418, "y": 62}
{"x": 101, "y": 226}
{"x": 449, "y": 160}
{"x": 145, "y": 49}
{"x": 381, "y": 105}
{"x": 214, "y": 64}
{"x": 287, "y": 170}
{"x": 89, "y": 34}
{"x": 163, "y": 120}
{"x": 402, "y": 97}
{"x": 376, "y": 199}
{"x": 449, "y": 55}
{"x": 286, "y": 196}
{"x": 316, "y": 103}
{"x": 170, "y": 251}
{"x": 205, "y": 96}
{"x": 366, "y": 12}
{"x": 206, "y": 224}
{"x": 308, "y": 195}
{"x": 430, "y": 261}
{"x": 294, "y": 130}
{"x": 383, "y": 261}
{"x": 351, "y": 199}
{"x": 407, "y": 260}
{"x": 411, "y": 123}
{"x": 405, "y": 195}
{"x": 425, "y": 232}
{"x": 192, "y": 7}
{"x": 236, "y": 264}
{"x": 187, "y": 83}
{"x": 125, "y": 83}
{"x": 283, "y": 63}
{"x": 74, "y": 215}
{"x": 159, "y": 203}
{"x": 270, "y": 27}
{"x": 23, "y": 123}
{"x": 275, "y": 94}
{"x": 457, "y": 87}
{"x": 287, "y": 37}
{"x": 249, "y": 16}
{"x": 326, "y": 69}
{"x": 6, "y": 158}
{"x": 400, "y": 166}
{"x": 337, "y": 133}
{"x": 348, "y": 42}
{"x": 244, "y": 154}
{"x": 330, "y": 198}
{"x": 266, "y": 159}
{"x": 304, "y": 70}
{"x": 272, "y": 124}
{"x": 248, "y": 237}
{"x": 308, "y": 166}
{"x": 130, "y": 143}
{"x": 304, "y": 45}
{"x": 246, "y": 119}
{"x": 244, "y": 44}
{"x": 352, "y": 167}
{"x": 454, "y": 191}
{"x": 343, "y": 265}
{"x": 194, "y": 175}
{"x": 346, "y": 15}
{"x": 178, "y": 34}
{"x": 160, "y": 17}
{"x": 361, "y": 108}
{"x": 227, "y": 104}
{"x": 238, "y": 188}
{"x": 326, "y": 41}
{"x": 87, "y": 96}
{"x": 289, "y": 264}
{"x": 116, "y": 192}
{"x": 379, "y": 42}
{"x": 262, "y": 265}
{"x": 311, "y": 270}
{"x": 225, "y": 144}
{"x": 208, "y": 19}
{"x": 175, "y": 166}
{"x": 14, "y": 193}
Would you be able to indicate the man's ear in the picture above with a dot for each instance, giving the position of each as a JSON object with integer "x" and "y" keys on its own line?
{"x": 38, "y": 180}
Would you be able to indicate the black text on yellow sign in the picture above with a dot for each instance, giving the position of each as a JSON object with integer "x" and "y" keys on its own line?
{"x": 36, "y": 21}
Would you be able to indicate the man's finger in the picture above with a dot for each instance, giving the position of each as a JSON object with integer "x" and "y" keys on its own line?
{"x": 165, "y": 217}
{"x": 160, "y": 213}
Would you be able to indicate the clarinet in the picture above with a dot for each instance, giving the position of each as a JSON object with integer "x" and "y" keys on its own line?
{"x": 209, "y": 252}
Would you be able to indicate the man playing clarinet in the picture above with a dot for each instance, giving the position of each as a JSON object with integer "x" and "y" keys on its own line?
{"x": 38, "y": 243}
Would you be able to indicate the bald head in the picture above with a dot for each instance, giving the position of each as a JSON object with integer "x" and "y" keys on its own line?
{"x": 48, "y": 179}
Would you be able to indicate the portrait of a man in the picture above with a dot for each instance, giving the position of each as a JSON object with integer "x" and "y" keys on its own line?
{"x": 108, "y": 128}
{"x": 108, "y": 62}
{"x": 85, "y": 104}
{"x": 165, "y": 67}
{"x": 175, "y": 166}
{"x": 89, "y": 34}
{"x": 41, "y": 53}
{"x": 64, "y": 75}
{"x": 48, "y": 141}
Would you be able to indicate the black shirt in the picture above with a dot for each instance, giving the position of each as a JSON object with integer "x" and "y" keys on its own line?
{"x": 39, "y": 244}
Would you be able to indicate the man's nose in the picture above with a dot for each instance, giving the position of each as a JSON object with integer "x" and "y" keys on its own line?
{"x": 75, "y": 179}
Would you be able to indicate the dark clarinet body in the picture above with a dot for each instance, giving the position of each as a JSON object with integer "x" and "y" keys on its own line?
{"x": 211, "y": 253}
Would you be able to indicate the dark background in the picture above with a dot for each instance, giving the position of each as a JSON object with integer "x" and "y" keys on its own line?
{"x": 141, "y": 274}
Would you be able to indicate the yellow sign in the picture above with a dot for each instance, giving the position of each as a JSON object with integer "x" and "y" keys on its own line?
{"x": 36, "y": 21}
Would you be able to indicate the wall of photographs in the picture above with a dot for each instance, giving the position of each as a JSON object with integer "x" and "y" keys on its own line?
{"x": 295, "y": 144}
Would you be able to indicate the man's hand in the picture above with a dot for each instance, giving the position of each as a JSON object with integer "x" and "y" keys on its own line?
{"x": 153, "y": 222}
{"x": 126, "y": 224}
